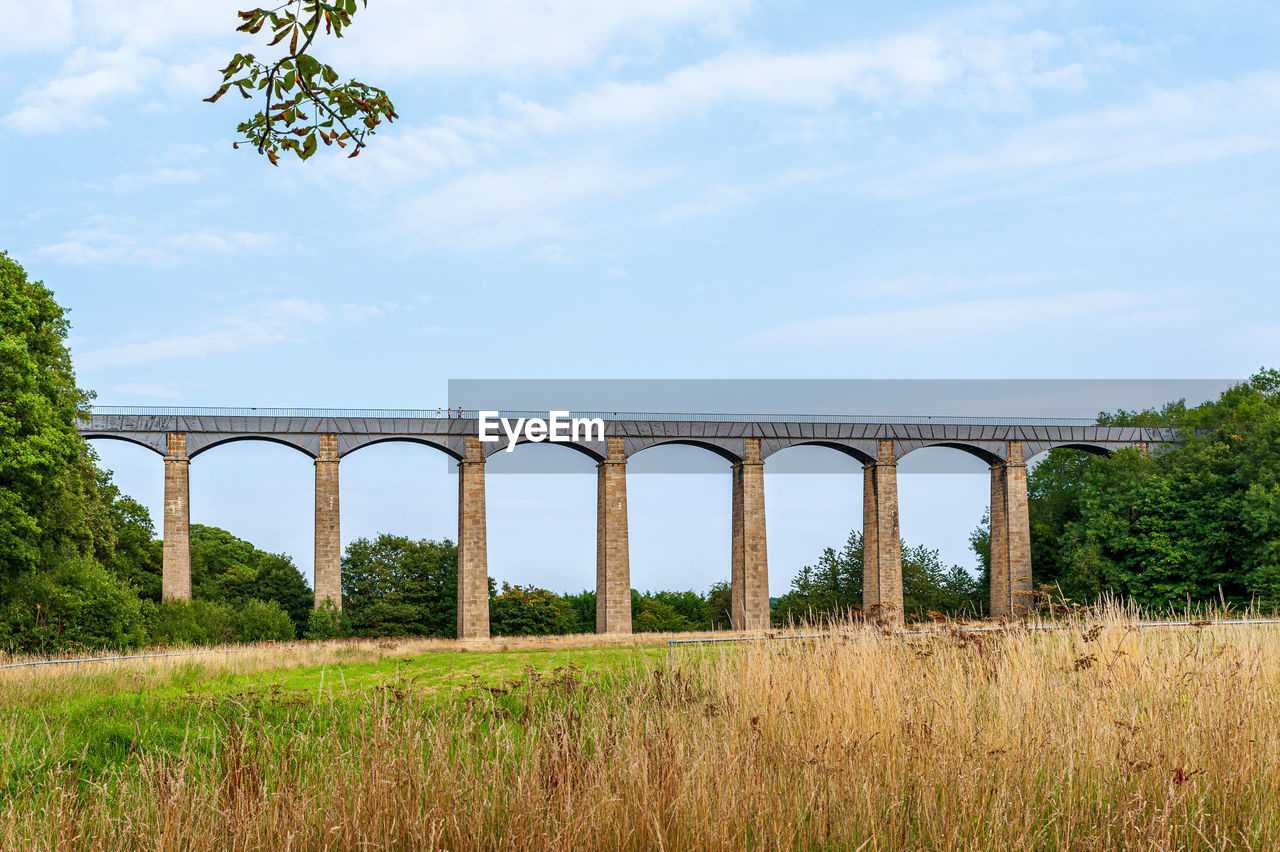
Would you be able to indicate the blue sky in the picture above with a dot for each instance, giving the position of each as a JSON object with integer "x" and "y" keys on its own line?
{"x": 667, "y": 188}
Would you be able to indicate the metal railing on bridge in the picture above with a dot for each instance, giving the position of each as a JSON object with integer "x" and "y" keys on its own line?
{"x": 471, "y": 414}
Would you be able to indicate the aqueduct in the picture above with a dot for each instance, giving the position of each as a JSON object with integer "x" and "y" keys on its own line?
{"x": 746, "y": 441}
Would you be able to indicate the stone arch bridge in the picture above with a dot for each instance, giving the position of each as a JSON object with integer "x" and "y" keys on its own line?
{"x": 746, "y": 441}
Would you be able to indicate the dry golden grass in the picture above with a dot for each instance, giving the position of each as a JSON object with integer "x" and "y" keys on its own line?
{"x": 1095, "y": 736}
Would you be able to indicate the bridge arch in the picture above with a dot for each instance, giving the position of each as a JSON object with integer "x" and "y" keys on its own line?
{"x": 988, "y": 452}
{"x": 591, "y": 451}
{"x": 635, "y": 446}
{"x": 301, "y": 446}
{"x": 1037, "y": 452}
{"x": 435, "y": 444}
{"x": 147, "y": 443}
{"x": 863, "y": 456}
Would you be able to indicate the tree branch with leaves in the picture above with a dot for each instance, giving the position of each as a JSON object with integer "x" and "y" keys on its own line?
{"x": 303, "y": 102}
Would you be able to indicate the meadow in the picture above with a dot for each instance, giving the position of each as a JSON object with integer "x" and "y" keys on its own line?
{"x": 1091, "y": 736}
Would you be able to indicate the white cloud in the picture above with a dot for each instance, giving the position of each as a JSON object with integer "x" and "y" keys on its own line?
{"x": 415, "y": 38}
{"x": 724, "y": 197}
{"x": 134, "y": 181}
{"x": 493, "y": 208}
{"x": 352, "y": 312}
{"x": 901, "y": 69}
{"x": 86, "y": 78}
{"x": 1199, "y": 123}
{"x": 942, "y": 322}
{"x": 274, "y": 323}
{"x": 416, "y": 153}
{"x": 552, "y": 253}
{"x": 98, "y": 246}
{"x": 925, "y": 287}
{"x": 35, "y": 26}
{"x": 158, "y": 25}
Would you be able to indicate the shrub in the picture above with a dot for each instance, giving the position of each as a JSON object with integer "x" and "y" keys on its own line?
{"x": 327, "y": 622}
{"x": 259, "y": 621}
{"x": 658, "y": 616}
{"x": 181, "y": 622}
{"x": 78, "y": 604}
{"x": 530, "y": 611}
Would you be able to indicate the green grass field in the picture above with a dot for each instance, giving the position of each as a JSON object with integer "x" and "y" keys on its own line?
{"x": 89, "y": 724}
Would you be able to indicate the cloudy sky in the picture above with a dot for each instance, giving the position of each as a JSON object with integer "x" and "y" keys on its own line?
{"x": 654, "y": 189}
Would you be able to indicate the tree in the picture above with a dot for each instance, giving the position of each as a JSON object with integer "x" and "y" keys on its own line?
{"x": 262, "y": 621}
{"x": 394, "y": 586}
{"x": 68, "y": 543}
{"x": 45, "y": 474}
{"x": 193, "y": 622}
{"x": 718, "y": 608}
{"x": 530, "y": 611}
{"x": 1196, "y": 521}
{"x": 230, "y": 570}
{"x": 832, "y": 589}
{"x": 326, "y": 621}
{"x": 584, "y": 609}
{"x": 127, "y": 547}
{"x": 74, "y": 604}
{"x": 335, "y": 113}
{"x": 929, "y": 586}
{"x": 657, "y": 615}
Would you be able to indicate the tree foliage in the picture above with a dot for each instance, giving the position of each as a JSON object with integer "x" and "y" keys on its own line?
{"x": 303, "y": 102}
{"x": 72, "y": 548}
{"x": 395, "y": 586}
{"x": 326, "y": 621}
{"x": 530, "y": 611}
{"x": 72, "y": 605}
{"x": 1195, "y": 521}
{"x": 230, "y": 570}
{"x": 831, "y": 589}
{"x": 46, "y": 478}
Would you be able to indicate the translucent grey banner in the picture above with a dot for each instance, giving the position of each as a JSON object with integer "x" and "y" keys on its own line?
{"x": 809, "y": 426}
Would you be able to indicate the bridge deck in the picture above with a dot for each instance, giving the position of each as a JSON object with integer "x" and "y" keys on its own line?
{"x": 856, "y": 435}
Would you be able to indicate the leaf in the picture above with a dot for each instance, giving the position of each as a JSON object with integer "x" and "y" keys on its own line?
{"x": 293, "y": 42}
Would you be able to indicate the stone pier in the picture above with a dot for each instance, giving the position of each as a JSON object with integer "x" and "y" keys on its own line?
{"x": 613, "y": 558}
{"x": 750, "y": 559}
{"x": 328, "y": 538}
{"x": 881, "y": 541}
{"x": 176, "y": 565}
{"x": 473, "y": 560}
{"x": 1010, "y": 535}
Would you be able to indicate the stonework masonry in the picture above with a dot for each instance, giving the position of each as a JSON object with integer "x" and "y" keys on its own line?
{"x": 175, "y": 575}
{"x": 473, "y": 560}
{"x": 326, "y": 436}
{"x": 750, "y": 560}
{"x": 1011, "y": 590}
{"x": 613, "y": 558}
{"x": 328, "y": 542}
{"x": 881, "y": 541}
